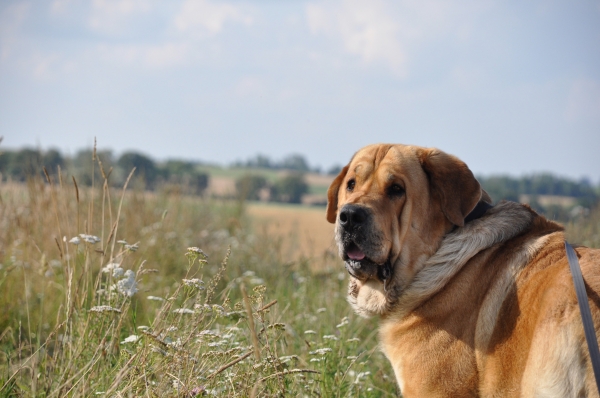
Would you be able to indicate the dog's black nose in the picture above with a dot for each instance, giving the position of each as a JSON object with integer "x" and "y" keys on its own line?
{"x": 352, "y": 216}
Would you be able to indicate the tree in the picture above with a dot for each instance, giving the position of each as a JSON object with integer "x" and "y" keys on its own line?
{"x": 52, "y": 160}
{"x": 25, "y": 163}
{"x": 145, "y": 169}
{"x": 290, "y": 188}
{"x": 334, "y": 170}
{"x": 248, "y": 186}
{"x": 83, "y": 164}
{"x": 295, "y": 162}
{"x": 185, "y": 175}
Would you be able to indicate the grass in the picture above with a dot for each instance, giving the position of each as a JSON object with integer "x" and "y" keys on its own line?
{"x": 139, "y": 310}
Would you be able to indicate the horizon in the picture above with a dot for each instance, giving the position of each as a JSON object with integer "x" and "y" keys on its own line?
{"x": 317, "y": 169}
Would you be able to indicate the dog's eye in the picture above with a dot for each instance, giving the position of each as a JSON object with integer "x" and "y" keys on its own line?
{"x": 395, "y": 190}
{"x": 350, "y": 186}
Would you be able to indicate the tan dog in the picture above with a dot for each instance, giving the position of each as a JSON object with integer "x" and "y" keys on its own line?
{"x": 473, "y": 300}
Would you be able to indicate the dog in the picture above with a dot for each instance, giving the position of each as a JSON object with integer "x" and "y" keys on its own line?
{"x": 473, "y": 300}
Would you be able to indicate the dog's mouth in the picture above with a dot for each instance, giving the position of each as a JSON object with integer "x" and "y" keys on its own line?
{"x": 362, "y": 267}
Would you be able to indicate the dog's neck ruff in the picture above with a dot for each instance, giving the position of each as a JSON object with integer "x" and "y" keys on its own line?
{"x": 499, "y": 224}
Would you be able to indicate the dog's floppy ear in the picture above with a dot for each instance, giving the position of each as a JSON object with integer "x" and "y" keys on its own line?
{"x": 332, "y": 195}
{"x": 452, "y": 181}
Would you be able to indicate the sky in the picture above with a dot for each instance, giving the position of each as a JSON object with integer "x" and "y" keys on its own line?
{"x": 510, "y": 87}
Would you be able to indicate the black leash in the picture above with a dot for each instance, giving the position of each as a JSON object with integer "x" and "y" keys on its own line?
{"x": 584, "y": 308}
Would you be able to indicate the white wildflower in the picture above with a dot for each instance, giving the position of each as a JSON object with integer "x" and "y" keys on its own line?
{"x": 75, "y": 240}
{"x": 122, "y": 242}
{"x": 310, "y": 332}
{"x": 89, "y": 238}
{"x": 360, "y": 376}
{"x": 203, "y": 307}
{"x": 316, "y": 359}
{"x": 343, "y": 323}
{"x": 218, "y": 309}
{"x": 133, "y": 247}
{"x": 321, "y": 351}
{"x": 320, "y": 310}
{"x": 183, "y": 311}
{"x": 104, "y": 308}
{"x": 195, "y": 283}
{"x": 249, "y": 273}
{"x": 208, "y": 333}
{"x": 172, "y": 329}
{"x": 330, "y": 337}
{"x": 288, "y": 358}
{"x": 353, "y": 340}
{"x": 177, "y": 343}
{"x": 127, "y": 286}
{"x": 155, "y": 298}
{"x": 197, "y": 251}
{"x": 144, "y": 328}
{"x": 110, "y": 267}
{"x": 352, "y": 357}
{"x": 131, "y": 339}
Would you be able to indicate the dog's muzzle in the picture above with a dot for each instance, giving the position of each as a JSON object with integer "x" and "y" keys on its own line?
{"x": 355, "y": 222}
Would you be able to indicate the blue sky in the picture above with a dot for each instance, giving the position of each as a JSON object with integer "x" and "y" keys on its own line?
{"x": 508, "y": 86}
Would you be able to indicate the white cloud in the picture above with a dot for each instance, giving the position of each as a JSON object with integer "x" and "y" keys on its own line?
{"x": 365, "y": 29}
{"x": 201, "y": 18}
{"x": 389, "y": 32}
{"x": 113, "y": 16}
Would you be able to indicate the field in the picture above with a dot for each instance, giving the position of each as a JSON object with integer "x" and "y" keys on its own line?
{"x": 302, "y": 232}
{"x": 108, "y": 292}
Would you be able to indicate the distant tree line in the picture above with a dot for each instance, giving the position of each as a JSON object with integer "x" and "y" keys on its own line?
{"x": 293, "y": 162}
{"x": 510, "y": 188}
{"x": 287, "y": 189}
{"x": 188, "y": 176}
{"x": 173, "y": 174}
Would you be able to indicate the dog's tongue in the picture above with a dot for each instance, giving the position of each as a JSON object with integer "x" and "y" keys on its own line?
{"x": 354, "y": 253}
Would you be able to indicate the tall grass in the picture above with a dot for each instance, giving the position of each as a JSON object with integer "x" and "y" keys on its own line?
{"x": 125, "y": 293}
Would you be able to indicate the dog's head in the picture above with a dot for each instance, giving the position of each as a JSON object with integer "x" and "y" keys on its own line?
{"x": 392, "y": 205}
